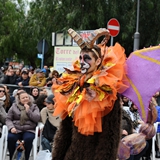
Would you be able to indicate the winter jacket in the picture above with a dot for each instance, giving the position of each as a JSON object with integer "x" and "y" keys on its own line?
{"x": 3, "y": 116}
{"x": 9, "y": 79}
{"x": 34, "y": 81}
{"x": 25, "y": 82}
{"x": 13, "y": 118}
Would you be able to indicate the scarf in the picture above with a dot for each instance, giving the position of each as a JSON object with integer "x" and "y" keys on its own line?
{"x": 50, "y": 110}
{"x": 24, "y": 116}
{"x": 3, "y": 98}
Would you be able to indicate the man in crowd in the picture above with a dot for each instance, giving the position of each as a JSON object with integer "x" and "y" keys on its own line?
{"x": 23, "y": 80}
{"x": 38, "y": 79}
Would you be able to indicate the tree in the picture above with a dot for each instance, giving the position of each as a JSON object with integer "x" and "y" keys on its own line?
{"x": 20, "y": 31}
{"x": 9, "y": 16}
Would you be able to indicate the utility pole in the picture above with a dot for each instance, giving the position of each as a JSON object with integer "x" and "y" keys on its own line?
{"x": 137, "y": 34}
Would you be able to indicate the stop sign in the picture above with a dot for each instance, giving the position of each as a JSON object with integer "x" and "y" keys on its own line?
{"x": 113, "y": 26}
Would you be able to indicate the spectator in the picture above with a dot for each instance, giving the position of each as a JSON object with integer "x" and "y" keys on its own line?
{"x": 157, "y": 96}
{"x": 2, "y": 116}
{"x": 157, "y": 146}
{"x": 23, "y": 80}
{"x": 31, "y": 71}
{"x": 15, "y": 93}
{"x": 1, "y": 75}
{"x": 40, "y": 101}
{"x": 10, "y": 67}
{"x": 34, "y": 92}
{"x": 126, "y": 101}
{"x": 4, "y": 97}
{"x": 135, "y": 116}
{"x": 38, "y": 79}
{"x": 20, "y": 66}
{"x": 43, "y": 91}
{"x": 10, "y": 77}
{"x": 21, "y": 121}
{"x": 127, "y": 129}
{"x": 6, "y": 88}
{"x": 132, "y": 111}
{"x": 51, "y": 123}
{"x": 47, "y": 71}
{"x": 18, "y": 73}
{"x": 53, "y": 74}
{"x": 49, "y": 80}
{"x": 8, "y": 97}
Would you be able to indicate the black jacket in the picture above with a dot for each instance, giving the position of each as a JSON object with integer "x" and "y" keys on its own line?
{"x": 9, "y": 79}
{"x": 25, "y": 82}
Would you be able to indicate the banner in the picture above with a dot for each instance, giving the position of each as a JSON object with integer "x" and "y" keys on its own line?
{"x": 64, "y": 57}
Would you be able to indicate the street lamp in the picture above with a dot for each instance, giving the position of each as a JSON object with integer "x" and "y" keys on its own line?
{"x": 137, "y": 34}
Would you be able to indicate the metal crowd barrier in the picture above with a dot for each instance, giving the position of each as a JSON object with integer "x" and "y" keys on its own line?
{"x": 12, "y": 87}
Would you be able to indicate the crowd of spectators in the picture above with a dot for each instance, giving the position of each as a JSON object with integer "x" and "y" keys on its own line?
{"x": 21, "y": 112}
{"x": 21, "y": 109}
{"x": 27, "y": 76}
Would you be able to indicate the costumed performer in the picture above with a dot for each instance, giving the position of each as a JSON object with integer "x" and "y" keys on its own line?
{"x": 87, "y": 100}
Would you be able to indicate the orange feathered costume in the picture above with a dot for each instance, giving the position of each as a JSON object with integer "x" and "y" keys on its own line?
{"x": 87, "y": 105}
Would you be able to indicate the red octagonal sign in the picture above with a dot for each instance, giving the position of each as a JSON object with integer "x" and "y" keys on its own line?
{"x": 113, "y": 26}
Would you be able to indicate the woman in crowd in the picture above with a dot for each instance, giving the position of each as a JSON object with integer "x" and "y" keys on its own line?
{"x": 35, "y": 92}
{"x": 40, "y": 101}
{"x": 18, "y": 73}
{"x": 50, "y": 123}
{"x": 53, "y": 74}
{"x": 2, "y": 115}
{"x": 4, "y": 97}
{"x": 21, "y": 121}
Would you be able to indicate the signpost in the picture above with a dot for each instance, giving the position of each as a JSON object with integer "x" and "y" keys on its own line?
{"x": 114, "y": 27}
{"x": 42, "y": 47}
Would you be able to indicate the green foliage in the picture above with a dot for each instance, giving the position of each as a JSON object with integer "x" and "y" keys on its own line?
{"x": 20, "y": 31}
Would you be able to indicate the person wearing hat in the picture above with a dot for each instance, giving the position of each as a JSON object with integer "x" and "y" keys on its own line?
{"x": 23, "y": 80}
{"x": 38, "y": 79}
{"x": 51, "y": 123}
